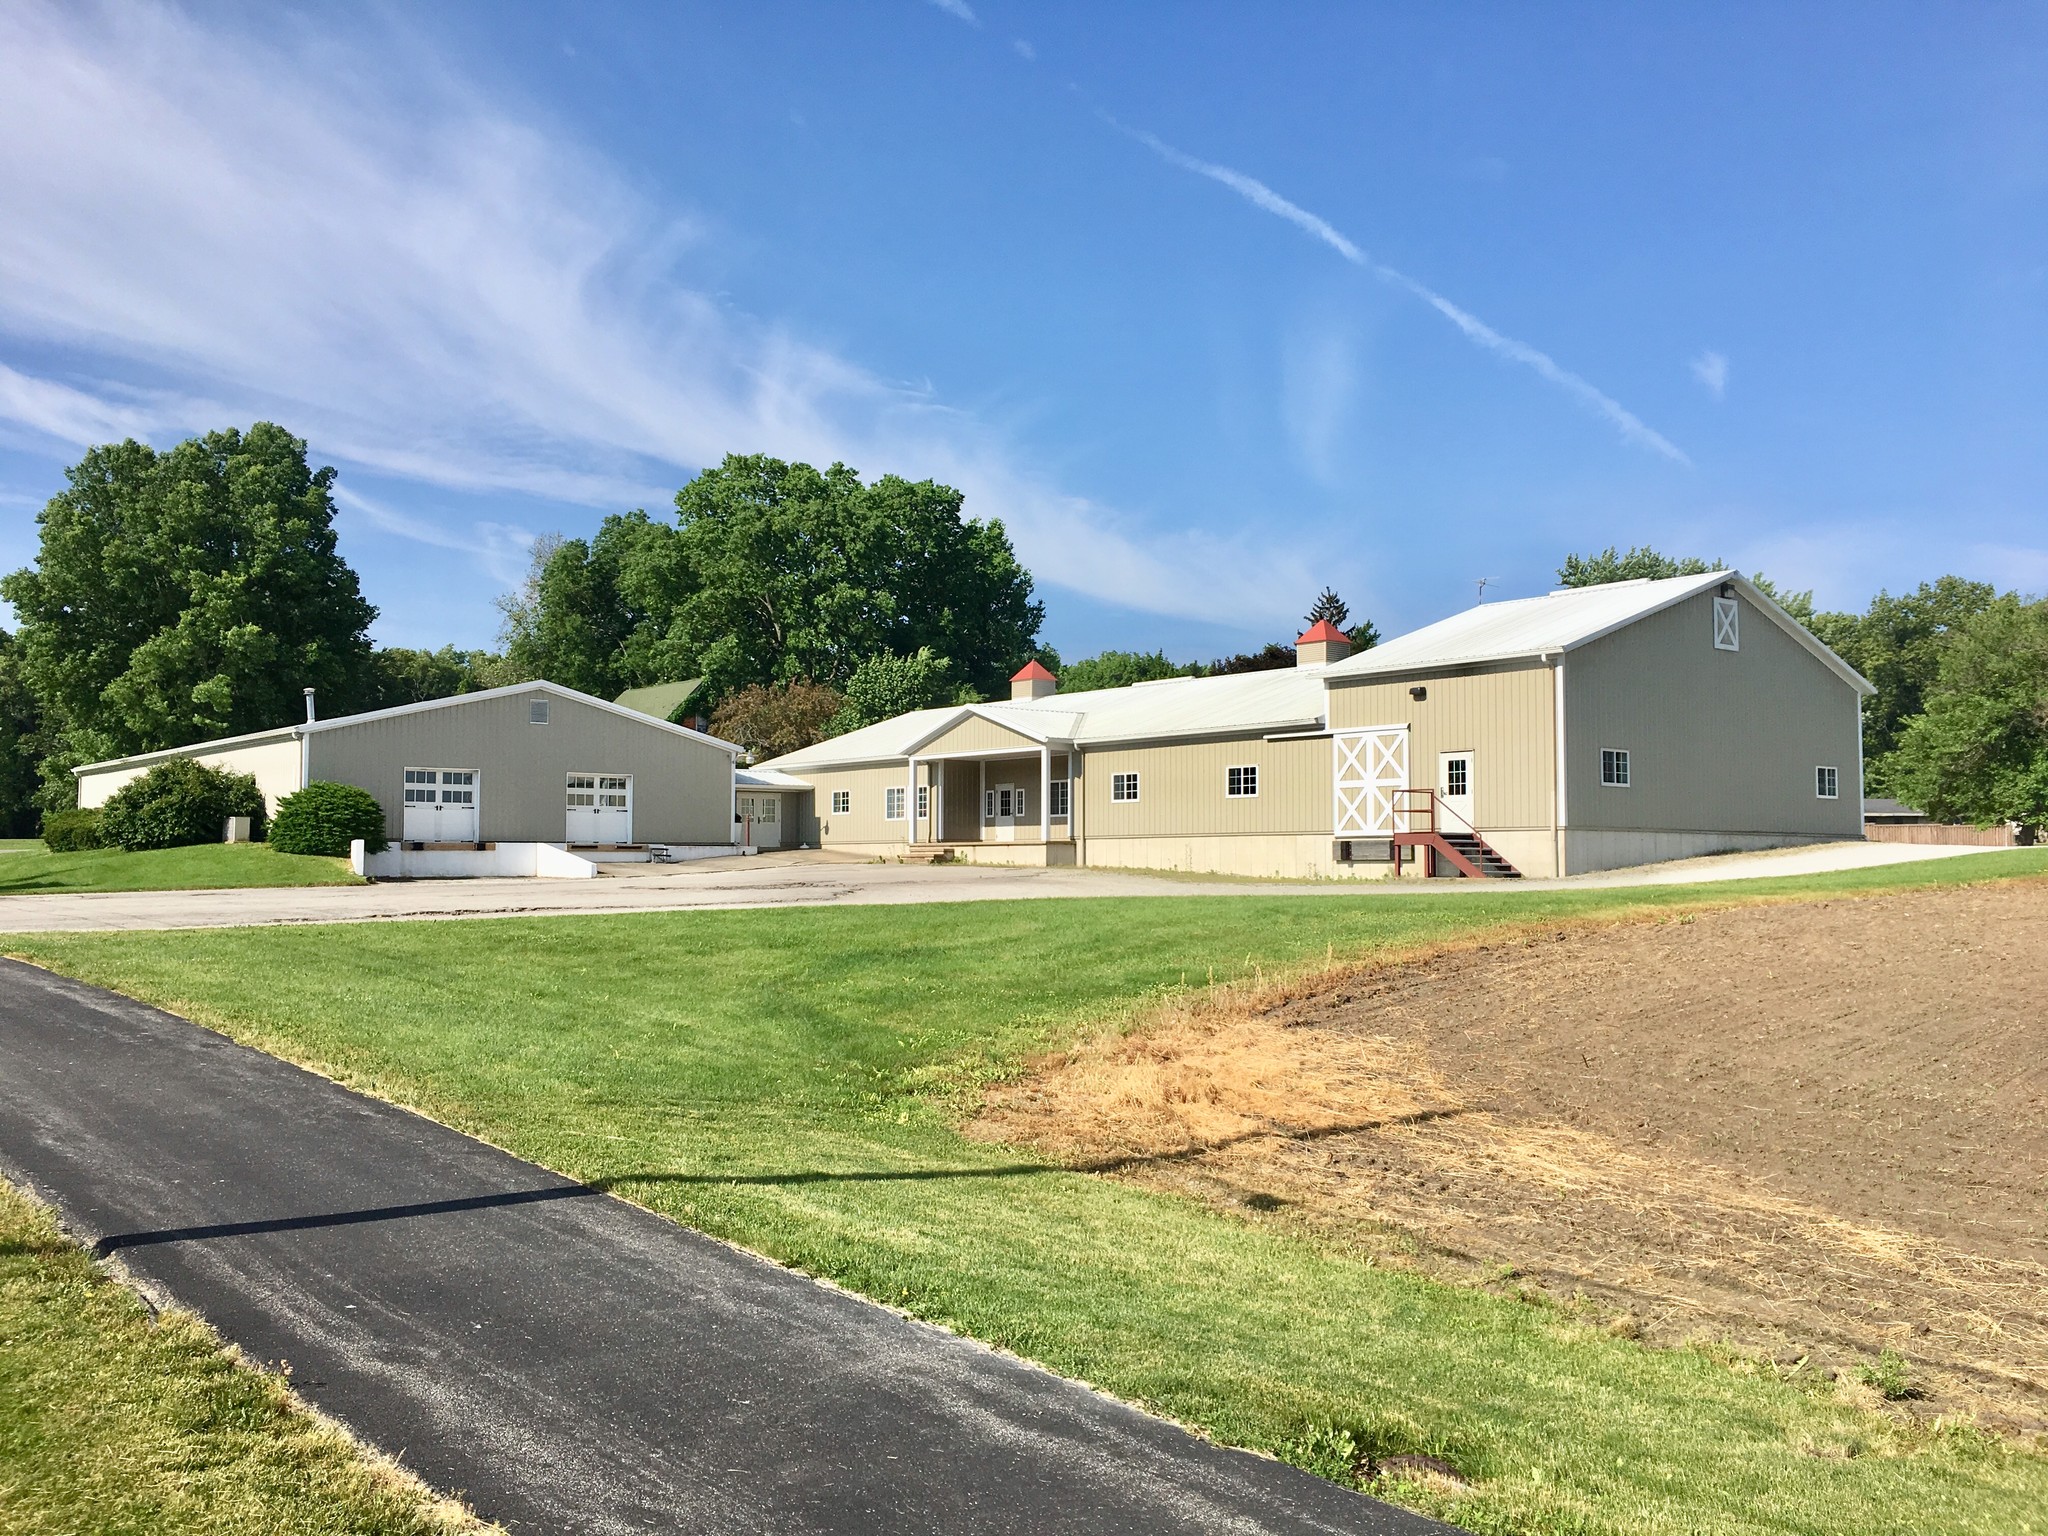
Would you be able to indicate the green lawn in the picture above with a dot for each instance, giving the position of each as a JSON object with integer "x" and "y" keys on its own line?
{"x": 791, "y": 1080}
{"x": 112, "y": 1422}
{"x": 210, "y": 866}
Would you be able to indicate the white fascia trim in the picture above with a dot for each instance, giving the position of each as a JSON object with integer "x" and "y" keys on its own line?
{"x": 1264, "y": 730}
{"x": 218, "y": 744}
{"x": 1765, "y": 606}
{"x": 538, "y": 685}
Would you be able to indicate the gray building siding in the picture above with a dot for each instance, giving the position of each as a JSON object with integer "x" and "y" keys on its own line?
{"x": 682, "y": 788}
{"x": 1718, "y": 740}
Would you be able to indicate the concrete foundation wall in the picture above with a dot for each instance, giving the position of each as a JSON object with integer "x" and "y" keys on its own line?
{"x": 1589, "y": 849}
{"x": 1309, "y": 856}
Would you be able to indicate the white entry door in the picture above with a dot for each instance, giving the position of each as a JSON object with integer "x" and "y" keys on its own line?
{"x": 761, "y": 820}
{"x": 441, "y": 805}
{"x": 600, "y": 808}
{"x": 1369, "y": 771}
{"x": 1454, "y": 790}
{"x": 1002, "y": 809}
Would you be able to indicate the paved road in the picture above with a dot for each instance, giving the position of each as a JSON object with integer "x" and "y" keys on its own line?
{"x": 567, "y": 1361}
{"x": 817, "y": 879}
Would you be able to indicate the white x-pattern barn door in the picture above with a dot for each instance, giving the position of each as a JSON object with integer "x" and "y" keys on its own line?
{"x": 1371, "y": 770}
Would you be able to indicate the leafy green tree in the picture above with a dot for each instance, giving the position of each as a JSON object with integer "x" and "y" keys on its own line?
{"x": 883, "y": 687}
{"x": 803, "y": 574}
{"x": 1978, "y": 749}
{"x": 185, "y": 594}
{"x": 1120, "y": 669}
{"x": 404, "y": 676}
{"x": 1898, "y": 643}
{"x": 20, "y": 729}
{"x": 769, "y": 719}
{"x": 1644, "y": 564}
{"x": 600, "y": 614}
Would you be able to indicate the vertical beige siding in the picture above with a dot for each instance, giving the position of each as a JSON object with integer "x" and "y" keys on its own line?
{"x": 1503, "y": 715}
{"x": 863, "y": 821}
{"x": 1181, "y": 789}
{"x": 273, "y": 764}
{"x": 1718, "y": 741}
{"x": 682, "y": 788}
{"x": 975, "y": 734}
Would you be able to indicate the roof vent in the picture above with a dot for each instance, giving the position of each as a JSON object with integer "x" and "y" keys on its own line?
{"x": 309, "y": 707}
{"x": 1323, "y": 643}
{"x": 1032, "y": 681}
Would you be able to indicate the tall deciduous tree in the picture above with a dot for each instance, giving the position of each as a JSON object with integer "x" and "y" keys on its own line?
{"x": 775, "y": 572}
{"x": 19, "y": 732}
{"x": 1978, "y": 749}
{"x": 769, "y": 720}
{"x": 1897, "y": 643}
{"x": 1120, "y": 669}
{"x": 1646, "y": 564}
{"x": 186, "y": 594}
{"x": 885, "y": 686}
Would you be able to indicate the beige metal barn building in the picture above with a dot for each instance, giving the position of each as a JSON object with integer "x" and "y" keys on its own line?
{"x": 534, "y": 763}
{"x": 1593, "y": 728}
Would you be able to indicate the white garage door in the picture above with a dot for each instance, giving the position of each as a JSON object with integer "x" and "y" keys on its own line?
{"x": 600, "y": 808}
{"x": 441, "y": 805}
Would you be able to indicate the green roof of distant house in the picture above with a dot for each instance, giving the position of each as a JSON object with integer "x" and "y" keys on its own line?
{"x": 661, "y": 700}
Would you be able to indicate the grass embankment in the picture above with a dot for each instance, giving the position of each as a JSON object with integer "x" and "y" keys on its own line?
{"x": 111, "y": 1421}
{"x": 209, "y": 866}
{"x": 792, "y": 1080}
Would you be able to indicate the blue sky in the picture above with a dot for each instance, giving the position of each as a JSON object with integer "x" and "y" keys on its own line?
{"x": 1212, "y": 304}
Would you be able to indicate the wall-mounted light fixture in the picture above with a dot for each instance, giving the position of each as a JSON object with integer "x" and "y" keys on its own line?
{"x": 1727, "y": 589}
{"x": 1418, "y": 694}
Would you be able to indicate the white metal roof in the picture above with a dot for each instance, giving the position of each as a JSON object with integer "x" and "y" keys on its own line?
{"x": 304, "y": 728}
{"x": 1560, "y": 622}
{"x": 766, "y": 778}
{"x": 1289, "y": 698}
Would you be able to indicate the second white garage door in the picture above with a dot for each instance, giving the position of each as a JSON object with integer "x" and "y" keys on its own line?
{"x": 600, "y": 808}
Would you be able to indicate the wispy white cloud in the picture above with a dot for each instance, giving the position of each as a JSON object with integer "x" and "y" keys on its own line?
{"x": 1319, "y": 380}
{"x": 501, "y": 550}
{"x": 959, "y": 8}
{"x": 1256, "y": 192}
{"x": 1023, "y": 49}
{"x": 1711, "y": 369}
{"x": 425, "y": 285}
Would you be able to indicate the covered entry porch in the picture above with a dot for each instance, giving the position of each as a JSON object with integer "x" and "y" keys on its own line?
{"x": 990, "y": 794}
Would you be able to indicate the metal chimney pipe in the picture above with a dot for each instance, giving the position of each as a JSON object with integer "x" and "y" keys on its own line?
{"x": 309, "y": 706}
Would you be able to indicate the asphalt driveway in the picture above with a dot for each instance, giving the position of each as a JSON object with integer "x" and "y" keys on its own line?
{"x": 564, "y": 1360}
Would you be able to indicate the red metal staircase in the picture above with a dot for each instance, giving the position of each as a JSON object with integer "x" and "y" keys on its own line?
{"x": 1463, "y": 849}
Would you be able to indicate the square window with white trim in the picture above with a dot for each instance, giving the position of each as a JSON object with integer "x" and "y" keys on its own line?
{"x": 892, "y": 803}
{"x": 1727, "y": 625}
{"x": 842, "y": 802}
{"x": 1059, "y": 789}
{"x": 1123, "y": 788}
{"x": 1614, "y": 767}
{"x": 1241, "y": 783}
{"x": 1827, "y": 783}
{"x": 537, "y": 711}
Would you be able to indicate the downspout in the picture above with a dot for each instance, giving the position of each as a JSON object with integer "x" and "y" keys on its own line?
{"x": 1862, "y": 827}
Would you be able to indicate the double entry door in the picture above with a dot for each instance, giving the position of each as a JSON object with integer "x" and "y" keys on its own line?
{"x": 600, "y": 808}
{"x": 441, "y": 805}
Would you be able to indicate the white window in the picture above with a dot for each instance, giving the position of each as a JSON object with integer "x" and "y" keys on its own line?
{"x": 1005, "y": 800}
{"x": 988, "y": 805}
{"x": 1060, "y": 789}
{"x": 892, "y": 803}
{"x": 924, "y": 802}
{"x": 1727, "y": 625}
{"x": 760, "y": 809}
{"x": 419, "y": 786}
{"x": 1240, "y": 783}
{"x": 1614, "y": 767}
{"x": 1827, "y": 783}
{"x": 1457, "y": 777}
{"x": 1018, "y": 808}
{"x": 1123, "y": 787}
{"x": 537, "y": 711}
{"x": 842, "y": 802}
{"x": 611, "y": 791}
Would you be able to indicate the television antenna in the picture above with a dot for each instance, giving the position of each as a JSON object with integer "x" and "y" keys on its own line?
{"x": 1482, "y": 586}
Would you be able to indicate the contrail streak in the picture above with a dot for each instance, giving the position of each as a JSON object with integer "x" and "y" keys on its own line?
{"x": 1260, "y": 195}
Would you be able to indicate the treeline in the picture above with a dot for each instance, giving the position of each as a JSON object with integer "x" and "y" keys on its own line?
{"x": 1958, "y": 727}
{"x": 191, "y": 593}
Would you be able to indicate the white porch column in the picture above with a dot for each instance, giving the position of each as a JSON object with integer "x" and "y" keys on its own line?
{"x": 1045, "y": 794}
{"x": 910, "y": 801}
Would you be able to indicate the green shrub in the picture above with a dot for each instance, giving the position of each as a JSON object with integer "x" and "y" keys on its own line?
{"x": 325, "y": 818}
{"x": 72, "y": 831}
{"x": 1889, "y": 1374}
{"x": 176, "y": 803}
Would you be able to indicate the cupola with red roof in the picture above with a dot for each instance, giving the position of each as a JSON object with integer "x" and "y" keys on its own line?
{"x": 1321, "y": 644}
{"x": 1032, "y": 681}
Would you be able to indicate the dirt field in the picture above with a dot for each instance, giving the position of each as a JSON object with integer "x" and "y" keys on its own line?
{"x": 1810, "y": 1130}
